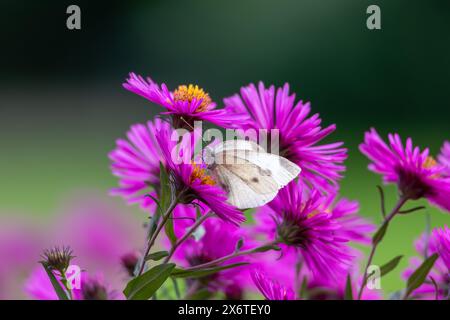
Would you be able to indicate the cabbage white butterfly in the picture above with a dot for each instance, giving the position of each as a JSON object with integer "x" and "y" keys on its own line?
{"x": 250, "y": 175}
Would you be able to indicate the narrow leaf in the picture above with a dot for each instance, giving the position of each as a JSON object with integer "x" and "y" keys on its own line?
{"x": 411, "y": 210}
{"x": 156, "y": 256}
{"x": 391, "y": 265}
{"x": 60, "y": 292}
{"x": 180, "y": 273}
{"x": 383, "y": 206}
{"x": 419, "y": 276}
{"x": 166, "y": 197}
{"x": 348, "y": 289}
{"x": 379, "y": 235}
{"x": 266, "y": 248}
{"x": 144, "y": 286}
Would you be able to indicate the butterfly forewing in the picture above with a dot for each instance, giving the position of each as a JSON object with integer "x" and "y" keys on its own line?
{"x": 251, "y": 176}
{"x": 241, "y": 194}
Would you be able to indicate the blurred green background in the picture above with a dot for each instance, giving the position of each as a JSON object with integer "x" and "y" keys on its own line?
{"x": 62, "y": 104}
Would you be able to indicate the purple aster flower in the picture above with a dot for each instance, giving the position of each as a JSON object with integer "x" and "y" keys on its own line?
{"x": 443, "y": 245}
{"x": 191, "y": 180}
{"x": 298, "y": 134}
{"x": 298, "y": 220}
{"x": 353, "y": 226}
{"x": 427, "y": 244}
{"x": 290, "y": 271}
{"x": 444, "y": 157}
{"x": 186, "y": 104}
{"x": 416, "y": 173}
{"x": 135, "y": 161}
{"x": 216, "y": 239}
{"x": 271, "y": 290}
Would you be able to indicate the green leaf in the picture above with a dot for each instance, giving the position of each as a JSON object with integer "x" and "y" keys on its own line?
{"x": 156, "y": 256}
{"x": 165, "y": 199}
{"x": 180, "y": 273}
{"x": 348, "y": 289}
{"x": 60, "y": 292}
{"x": 266, "y": 248}
{"x": 419, "y": 276}
{"x": 383, "y": 206}
{"x": 144, "y": 286}
{"x": 379, "y": 235}
{"x": 165, "y": 193}
{"x": 391, "y": 265}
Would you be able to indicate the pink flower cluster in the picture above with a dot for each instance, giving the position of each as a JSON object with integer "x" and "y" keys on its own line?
{"x": 300, "y": 245}
{"x": 313, "y": 227}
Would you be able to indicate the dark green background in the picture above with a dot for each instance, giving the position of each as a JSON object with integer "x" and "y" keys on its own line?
{"x": 62, "y": 104}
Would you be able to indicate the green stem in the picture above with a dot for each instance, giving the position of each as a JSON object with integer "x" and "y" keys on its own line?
{"x": 187, "y": 235}
{"x": 401, "y": 201}
{"x": 66, "y": 284}
{"x": 152, "y": 240}
{"x": 230, "y": 256}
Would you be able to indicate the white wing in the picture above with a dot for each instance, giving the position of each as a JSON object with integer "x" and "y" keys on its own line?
{"x": 250, "y": 175}
{"x": 240, "y": 194}
{"x": 282, "y": 170}
{"x": 233, "y": 145}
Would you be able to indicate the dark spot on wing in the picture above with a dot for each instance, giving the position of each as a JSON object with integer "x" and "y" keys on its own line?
{"x": 255, "y": 179}
{"x": 264, "y": 172}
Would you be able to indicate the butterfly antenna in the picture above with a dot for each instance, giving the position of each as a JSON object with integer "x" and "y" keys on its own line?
{"x": 188, "y": 124}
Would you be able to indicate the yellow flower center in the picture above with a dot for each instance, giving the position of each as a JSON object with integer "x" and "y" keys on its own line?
{"x": 191, "y": 92}
{"x": 199, "y": 173}
{"x": 429, "y": 163}
{"x": 312, "y": 214}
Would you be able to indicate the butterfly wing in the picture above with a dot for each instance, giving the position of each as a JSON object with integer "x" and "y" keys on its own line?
{"x": 251, "y": 176}
{"x": 282, "y": 170}
{"x": 233, "y": 145}
{"x": 240, "y": 193}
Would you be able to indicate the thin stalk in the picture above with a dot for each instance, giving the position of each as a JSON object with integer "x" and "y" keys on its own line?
{"x": 177, "y": 289}
{"x": 228, "y": 257}
{"x": 187, "y": 235}
{"x": 65, "y": 283}
{"x": 401, "y": 201}
{"x": 152, "y": 240}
